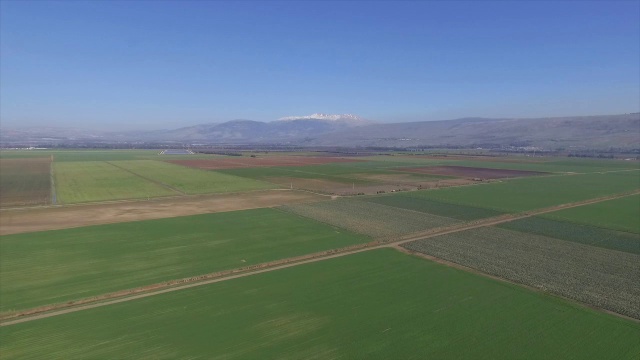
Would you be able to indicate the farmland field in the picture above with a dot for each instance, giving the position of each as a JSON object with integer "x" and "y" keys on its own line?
{"x": 584, "y": 234}
{"x": 353, "y": 307}
{"x": 65, "y": 217}
{"x": 25, "y": 181}
{"x": 433, "y": 207}
{"x": 341, "y": 178}
{"x": 604, "y": 278}
{"x": 555, "y": 165}
{"x": 376, "y": 220}
{"x": 557, "y": 284}
{"x": 467, "y": 171}
{"x": 96, "y": 155}
{"x": 86, "y": 181}
{"x": 619, "y": 214}
{"x": 536, "y": 192}
{"x": 55, "y": 266}
{"x": 187, "y": 180}
{"x": 251, "y": 162}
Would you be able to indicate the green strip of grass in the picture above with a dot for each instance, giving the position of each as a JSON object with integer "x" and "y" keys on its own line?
{"x": 362, "y": 306}
{"x": 56, "y": 266}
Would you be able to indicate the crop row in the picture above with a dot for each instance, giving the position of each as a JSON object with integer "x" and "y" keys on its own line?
{"x": 376, "y": 220}
{"x": 600, "y": 277}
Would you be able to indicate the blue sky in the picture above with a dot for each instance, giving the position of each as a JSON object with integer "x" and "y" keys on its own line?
{"x": 151, "y": 65}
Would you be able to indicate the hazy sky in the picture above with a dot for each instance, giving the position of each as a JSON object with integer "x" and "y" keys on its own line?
{"x": 126, "y": 64}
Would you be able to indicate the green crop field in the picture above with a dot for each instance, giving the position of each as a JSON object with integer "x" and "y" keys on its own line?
{"x": 25, "y": 181}
{"x": 601, "y": 277}
{"x": 97, "y": 155}
{"x": 376, "y": 220}
{"x": 537, "y": 192}
{"x": 55, "y": 266}
{"x": 433, "y": 207}
{"x": 85, "y": 181}
{"x": 619, "y": 214}
{"x": 584, "y": 234}
{"x": 189, "y": 180}
{"x": 354, "y": 307}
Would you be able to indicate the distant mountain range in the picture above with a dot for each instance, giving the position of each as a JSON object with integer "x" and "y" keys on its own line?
{"x": 577, "y": 132}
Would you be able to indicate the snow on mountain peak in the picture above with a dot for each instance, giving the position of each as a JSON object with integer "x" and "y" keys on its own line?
{"x": 320, "y": 116}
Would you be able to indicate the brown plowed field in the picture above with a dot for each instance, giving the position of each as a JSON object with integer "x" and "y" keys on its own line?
{"x": 248, "y": 162}
{"x": 471, "y": 172}
{"x": 54, "y": 218}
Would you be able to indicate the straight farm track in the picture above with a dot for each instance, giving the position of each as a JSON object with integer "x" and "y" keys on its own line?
{"x": 45, "y": 312}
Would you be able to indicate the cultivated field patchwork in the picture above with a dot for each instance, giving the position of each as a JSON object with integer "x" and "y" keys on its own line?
{"x": 600, "y": 277}
{"x": 56, "y": 266}
{"x": 380, "y": 304}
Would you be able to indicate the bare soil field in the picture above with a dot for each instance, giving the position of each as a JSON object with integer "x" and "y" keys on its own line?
{"x": 471, "y": 172}
{"x": 54, "y": 218}
{"x": 248, "y": 162}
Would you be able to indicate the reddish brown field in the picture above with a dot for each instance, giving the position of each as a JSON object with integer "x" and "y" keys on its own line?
{"x": 248, "y": 162}
{"x": 470, "y": 172}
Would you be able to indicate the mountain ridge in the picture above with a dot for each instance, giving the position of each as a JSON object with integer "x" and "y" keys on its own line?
{"x": 572, "y": 132}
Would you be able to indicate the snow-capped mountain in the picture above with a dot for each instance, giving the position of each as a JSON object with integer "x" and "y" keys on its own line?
{"x": 350, "y": 119}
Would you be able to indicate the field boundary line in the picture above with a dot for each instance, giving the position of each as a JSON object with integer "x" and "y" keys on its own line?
{"x": 148, "y": 179}
{"x": 199, "y": 280}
